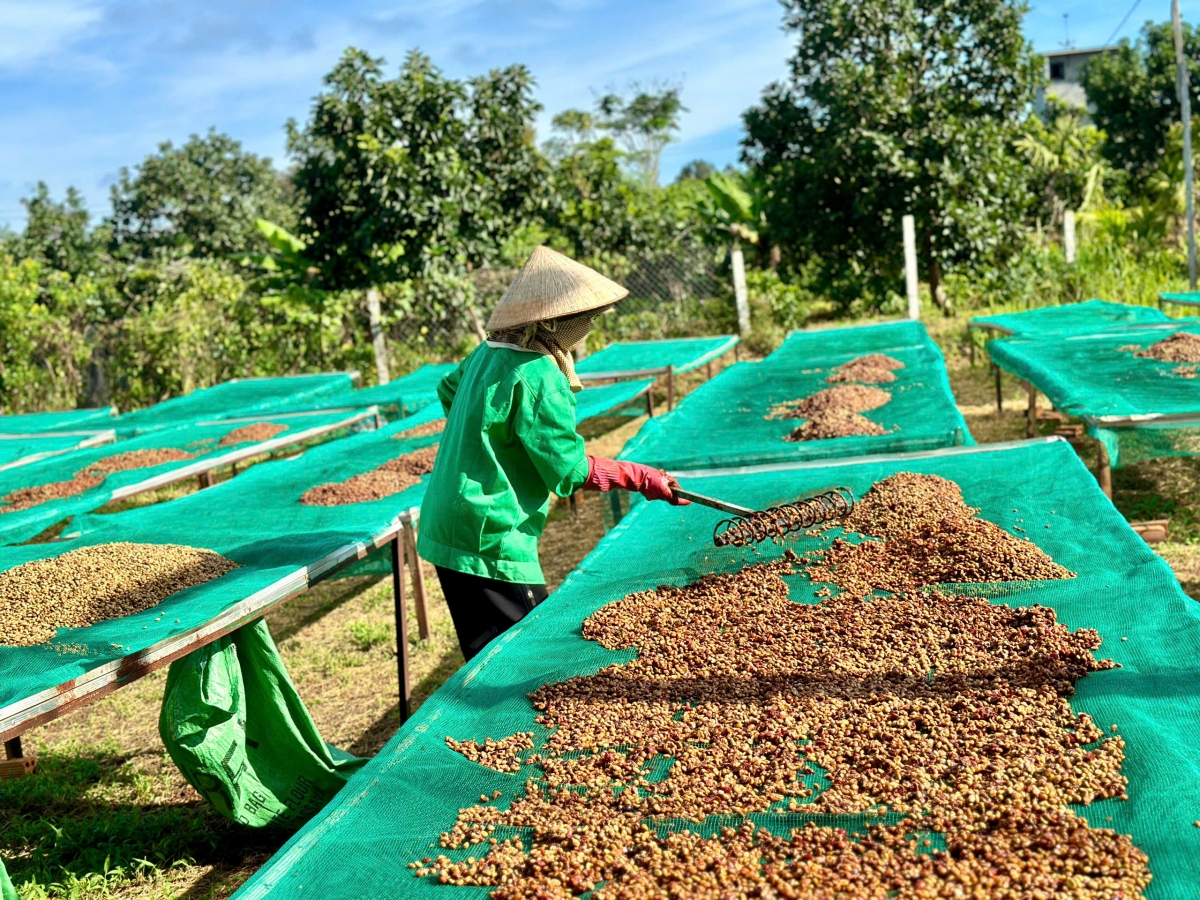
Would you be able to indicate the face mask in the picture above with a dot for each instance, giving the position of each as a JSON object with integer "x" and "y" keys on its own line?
{"x": 556, "y": 339}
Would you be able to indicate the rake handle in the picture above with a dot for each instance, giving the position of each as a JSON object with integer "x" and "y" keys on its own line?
{"x": 731, "y": 508}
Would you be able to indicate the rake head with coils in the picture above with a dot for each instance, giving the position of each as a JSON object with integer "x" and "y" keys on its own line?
{"x": 750, "y": 526}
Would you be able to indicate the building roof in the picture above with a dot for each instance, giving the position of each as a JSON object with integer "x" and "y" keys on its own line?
{"x": 1079, "y": 51}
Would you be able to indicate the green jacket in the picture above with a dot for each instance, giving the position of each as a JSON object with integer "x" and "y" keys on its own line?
{"x": 509, "y": 443}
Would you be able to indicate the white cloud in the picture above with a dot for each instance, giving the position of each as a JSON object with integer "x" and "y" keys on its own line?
{"x": 34, "y": 30}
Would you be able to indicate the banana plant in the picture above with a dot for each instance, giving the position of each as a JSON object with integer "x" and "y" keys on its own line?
{"x": 285, "y": 265}
{"x": 734, "y": 206}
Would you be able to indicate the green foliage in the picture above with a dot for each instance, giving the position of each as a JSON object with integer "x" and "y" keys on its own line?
{"x": 596, "y": 210}
{"x": 87, "y": 825}
{"x": 642, "y": 124}
{"x": 398, "y": 178}
{"x": 1113, "y": 262}
{"x": 1134, "y": 93}
{"x": 368, "y": 635}
{"x": 894, "y": 109}
{"x": 697, "y": 168}
{"x": 201, "y": 199}
{"x": 284, "y": 265}
{"x": 42, "y": 346}
{"x": 56, "y": 233}
{"x": 1064, "y": 152}
{"x": 734, "y": 206}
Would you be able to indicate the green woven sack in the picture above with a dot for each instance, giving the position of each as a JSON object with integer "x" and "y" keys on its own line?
{"x": 234, "y": 724}
{"x": 7, "y": 891}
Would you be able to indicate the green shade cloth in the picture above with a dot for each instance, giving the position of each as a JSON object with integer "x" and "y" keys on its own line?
{"x": 200, "y": 439}
{"x": 608, "y": 399}
{"x": 1091, "y": 315}
{"x": 256, "y": 520}
{"x": 400, "y": 397}
{"x": 722, "y": 423}
{"x": 1092, "y": 377}
{"x": 393, "y": 810}
{"x": 232, "y": 721}
{"x": 631, "y": 358}
{"x": 241, "y": 396}
{"x": 27, "y": 448}
{"x": 70, "y": 420}
{"x": 510, "y": 441}
{"x": 1188, "y": 298}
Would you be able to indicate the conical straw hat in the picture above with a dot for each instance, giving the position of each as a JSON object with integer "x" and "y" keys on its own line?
{"x": 550, "y": 285}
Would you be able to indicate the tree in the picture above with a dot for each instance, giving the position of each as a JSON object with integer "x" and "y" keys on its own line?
{"x": 893, "y": 110}
{"x": 595, "y": 211}
{"x": 697, "y": 168}
{"x": 1064, "y": 153}
{"x": 398, "y": 177}
{"x": 642, "y": 124}
{"x": 1134, "y": 94}
{"x": 56, "y": 233}
{"x": 416, "y": 177}
{"x": 201, "y": 199}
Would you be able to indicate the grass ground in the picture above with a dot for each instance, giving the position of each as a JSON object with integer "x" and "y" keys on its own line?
{"x": 108, "y": 814}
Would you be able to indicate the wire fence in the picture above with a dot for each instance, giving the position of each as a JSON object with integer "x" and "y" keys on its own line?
{"x": 685, "y": 293}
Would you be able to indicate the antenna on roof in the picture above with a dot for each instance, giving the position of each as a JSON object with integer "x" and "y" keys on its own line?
{"x": 1066, "y": 41}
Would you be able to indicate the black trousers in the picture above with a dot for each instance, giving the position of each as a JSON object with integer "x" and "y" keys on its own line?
{"x": 483, "y": 607}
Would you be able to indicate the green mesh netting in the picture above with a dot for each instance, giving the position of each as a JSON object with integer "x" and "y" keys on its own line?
{"x": 1187, "y": 298}
{"x": 1091, "y": 376}
{"x": 403, "y": 396}
{"x": 256, "y": 520}
{"x": 72, "y": 419}
{"x": 1091, "y": 315}
{"x": 1127, "y": 446}
{"x": 28, "y": 447}
{"x": 241, "y": 396}
{"x": 394, "y": 809}
{"x": 611, "y": 399}
{"x": 722, "y": 423}
{"x": 634, "y": 357}
{"x": 200, "y": 439}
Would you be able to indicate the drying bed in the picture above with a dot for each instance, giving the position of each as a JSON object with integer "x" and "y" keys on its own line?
{"x": 255, "y": 520}
{"x": 68, "y": 420}
{"x": 24, "y": 449}
{"x": 400, "y": 397}
{"x": 1080, "y": 318}
{"x": 34, "y": 497}
{"x": 739, "y": 417}
{"x": 1137, "y": 406}
{"x": 237, "y": 397}
{"x": 631, "y": 359}
{"x": 1114, "y": 707}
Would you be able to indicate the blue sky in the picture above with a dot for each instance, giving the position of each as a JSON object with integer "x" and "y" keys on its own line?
{"x": 88, "y": 86}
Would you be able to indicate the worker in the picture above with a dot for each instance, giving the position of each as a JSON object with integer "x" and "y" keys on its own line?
{"x": 510, "y": 442}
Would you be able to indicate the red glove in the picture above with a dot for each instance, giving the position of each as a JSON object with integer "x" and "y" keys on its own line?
{"x": 653, "y": 484}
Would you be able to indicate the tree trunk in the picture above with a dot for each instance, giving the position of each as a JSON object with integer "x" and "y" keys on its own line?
{"x": 97, "y": 391}
{"x": 937, "y": 290}
{"x": 377, "y": 338}
{"x": 776, "y": 257}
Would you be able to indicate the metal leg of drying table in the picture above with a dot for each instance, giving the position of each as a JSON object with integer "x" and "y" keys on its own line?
{"x": 1031, "y": 411}
{"x": 999, "y": 395}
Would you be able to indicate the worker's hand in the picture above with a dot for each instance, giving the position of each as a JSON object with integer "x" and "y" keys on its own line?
{"x": 653, "y": 484}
